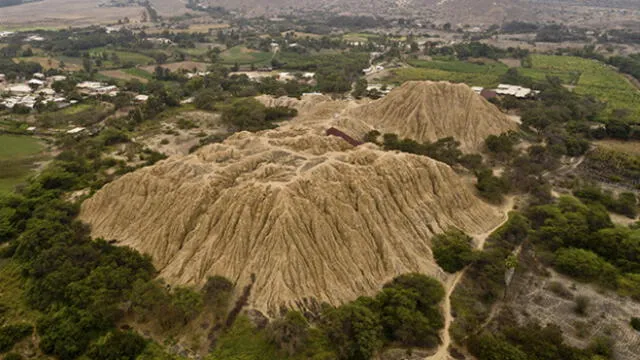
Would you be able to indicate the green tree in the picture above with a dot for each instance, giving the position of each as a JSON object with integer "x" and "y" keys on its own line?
{"x": 584, "y": 264}
{"x": 118, "y": 345}
{"x": 289, "y": 333}
{"x": 452, "y": 250}
{"x": 490, "y": 186}
{"x": 354, "y": 331}
{"x": 360, "y": 88}
{"x": 489, "y": 347}
{"x": 12, "y": 334}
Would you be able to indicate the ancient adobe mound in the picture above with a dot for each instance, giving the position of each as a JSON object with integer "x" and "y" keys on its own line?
{"x": 313, "y": 218}
{"x": 428, "y": 111}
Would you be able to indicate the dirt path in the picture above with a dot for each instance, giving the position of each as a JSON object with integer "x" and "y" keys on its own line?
{"x": 573, "y": 164}
{"x": 452, "y": 282}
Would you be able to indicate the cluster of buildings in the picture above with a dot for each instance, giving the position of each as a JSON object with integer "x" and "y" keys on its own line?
{"x": 39, "y": 89}
{"x": 506, "y": 89}
{"x": 373, "y": 69}
{"x": 28, "y": 93}
{"x": 306, "y": 77}
{"x": 94, "y": 88}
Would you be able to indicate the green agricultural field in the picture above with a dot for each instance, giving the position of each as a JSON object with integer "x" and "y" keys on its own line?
{"x": 197, "y": 51}
{"x": 590, "y": 77}
{"x": 244, "y": 56}
{"x": 486, "y": 75}
{"x": 124, "y": 56}
{"x": 17, "y": 157}
{"x": 139, "y": 73}
{"x": 361, "y": 37}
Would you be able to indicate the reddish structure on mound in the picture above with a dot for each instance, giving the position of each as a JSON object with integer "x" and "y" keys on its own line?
{"x": 335, "y": 132}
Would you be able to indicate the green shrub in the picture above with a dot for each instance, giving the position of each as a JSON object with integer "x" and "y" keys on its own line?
{"x": 560, "y": 290}
{"x": 290, "y": 333}
{"x": 12, "y": 356}
{"x": 452, "y": 250}
{"x": 602, "y": 346}
{"x": 217, "y": 293}
{"x": 118, "y": 345}
{"x": 635, "y": 323}
{"x": 354, "y": 331}
{"x": 582, "y": 303}
{"x": 584, "y": 265}
{"x": 12, "y": 334}
{"x": 489, "y": 347}
{"x": 490, "y": 186}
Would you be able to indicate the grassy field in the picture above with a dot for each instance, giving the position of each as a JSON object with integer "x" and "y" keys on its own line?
{"x": 627, "y": 147}
{"x": 244, "y": 56}
{"x": 17, "y": 157}
{"x": 124, "y": 56}
{"x": 590, "y": 77}
{"x": 455, "y": 71}
{"x": 194, "y": 28}
{"x": 360, "y": 37}
{"x": 48, "y": 63}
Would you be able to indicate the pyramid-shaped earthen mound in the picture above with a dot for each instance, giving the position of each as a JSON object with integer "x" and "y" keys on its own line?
{"x": 313, "y": 218}
{"x": 428, "y": 111}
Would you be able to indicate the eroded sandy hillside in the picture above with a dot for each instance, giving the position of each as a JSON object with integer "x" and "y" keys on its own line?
{"x": 419, "y": 110}
{"x": 311, "y": 217}
{"x": 428, "y": 111}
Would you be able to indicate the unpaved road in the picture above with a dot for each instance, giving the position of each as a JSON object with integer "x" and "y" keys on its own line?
{"x": 452, "y": 282}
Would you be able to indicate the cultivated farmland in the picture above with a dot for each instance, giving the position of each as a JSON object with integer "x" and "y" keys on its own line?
{"x": 486, "y": 74}
{"x": 18, "y": 155}
{"x": 590, "y": 77}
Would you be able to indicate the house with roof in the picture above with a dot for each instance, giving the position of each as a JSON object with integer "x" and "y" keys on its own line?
{"x": 20, "y": 89}
{"x": 514, "y": 90}
{"x": 35, "y": 83}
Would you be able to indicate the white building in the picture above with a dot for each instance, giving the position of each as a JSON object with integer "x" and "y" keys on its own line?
{"x": 160, "y": 41}
{"x": 97, "y": 88}
{"x": 76, "y": 130}
{"x": 20, "y": 89}
{"x": 285, "y": 76}
{"x": 514, "y": 90}
{"x": 35, "y": 82}
{"x": 141, "y": 98}
{"x": 34, "y": 38}
{"x": 46, "y": 91}
{"x": 190, "y": 75}
{"x": 56, "y": 78}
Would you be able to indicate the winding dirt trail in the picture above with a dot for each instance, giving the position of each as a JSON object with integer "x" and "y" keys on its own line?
{"x": 452, "y": 282}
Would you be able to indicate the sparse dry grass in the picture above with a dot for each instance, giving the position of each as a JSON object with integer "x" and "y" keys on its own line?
{"x": 628, "y": 147}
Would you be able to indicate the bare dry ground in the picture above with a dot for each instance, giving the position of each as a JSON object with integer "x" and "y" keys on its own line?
{"x": 547, "y": 297}
{"x": 63, "y": 13}
{"x": 176, "y": 141}
{"x": 119, "y": 74}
